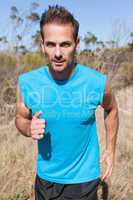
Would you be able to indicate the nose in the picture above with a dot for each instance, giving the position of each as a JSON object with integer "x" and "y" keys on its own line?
{"x": 58, "y": 52}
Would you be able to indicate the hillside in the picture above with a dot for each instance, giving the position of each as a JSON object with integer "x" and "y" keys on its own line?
{"x": 18, "y": 154}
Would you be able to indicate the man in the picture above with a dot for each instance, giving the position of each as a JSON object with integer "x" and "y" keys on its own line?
{"x": 56, "y": 106}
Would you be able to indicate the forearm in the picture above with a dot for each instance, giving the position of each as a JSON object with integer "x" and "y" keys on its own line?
{"x": 23, "y": 125}
{"x": 111, "y": 125}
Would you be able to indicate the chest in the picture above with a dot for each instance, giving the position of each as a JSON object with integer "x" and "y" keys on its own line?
{"x": 71, "y": 103}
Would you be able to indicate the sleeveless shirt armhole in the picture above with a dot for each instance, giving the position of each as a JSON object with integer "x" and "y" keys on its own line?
{"x": 103, "y": 87}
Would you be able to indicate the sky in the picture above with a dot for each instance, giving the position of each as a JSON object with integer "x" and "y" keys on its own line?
{"x": 96, "y": 16}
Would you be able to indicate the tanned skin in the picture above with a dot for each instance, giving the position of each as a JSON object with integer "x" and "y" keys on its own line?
{"x": 111, "y": 121}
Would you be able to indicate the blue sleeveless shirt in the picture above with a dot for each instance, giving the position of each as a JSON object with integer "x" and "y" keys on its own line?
{"x": 69, "y": 152}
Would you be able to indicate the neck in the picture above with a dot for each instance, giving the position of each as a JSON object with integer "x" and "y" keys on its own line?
{"x": 63, "y": 75}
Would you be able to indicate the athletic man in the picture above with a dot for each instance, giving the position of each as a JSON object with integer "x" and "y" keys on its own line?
{"x": 56, "y": 106}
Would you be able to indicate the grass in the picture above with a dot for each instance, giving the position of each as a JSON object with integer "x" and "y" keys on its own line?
{"x": 18, "y": 157}
{"x": 17, "y": 164}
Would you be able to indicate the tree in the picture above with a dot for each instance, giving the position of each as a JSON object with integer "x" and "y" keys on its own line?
{"x": 120, "y": 33}
{"x": 111, "y": 44}
{"x": 130, "y": 44}
{"x": 90, "y": 40}
{"x": 23, "y": 33}
{"x": 36, "y": 39}
{"x": 100, "y": 44}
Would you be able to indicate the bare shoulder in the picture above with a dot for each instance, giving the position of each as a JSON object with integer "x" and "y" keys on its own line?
{"x": 21, "y": 108}
{"x": 109, "y": 100}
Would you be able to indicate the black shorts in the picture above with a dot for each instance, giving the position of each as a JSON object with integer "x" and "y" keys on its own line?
{"x": 46, "y": 190}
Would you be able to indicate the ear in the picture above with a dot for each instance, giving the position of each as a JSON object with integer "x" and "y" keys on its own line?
{"x": 42, "y": 46}
{"x": 77, "y": 43}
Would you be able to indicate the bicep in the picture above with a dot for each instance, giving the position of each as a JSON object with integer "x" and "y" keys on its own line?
{"x": 21, "y": 109}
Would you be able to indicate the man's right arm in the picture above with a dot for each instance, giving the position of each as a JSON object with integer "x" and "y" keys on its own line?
{"x": 28, "y": 125}
{"x": 23, "y": 116}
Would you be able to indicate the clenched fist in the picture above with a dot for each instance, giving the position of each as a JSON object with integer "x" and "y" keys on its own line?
{"x": 37, "y": 127}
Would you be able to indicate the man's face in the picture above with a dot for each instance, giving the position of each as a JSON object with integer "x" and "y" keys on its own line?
{"x": 59, "y": 45}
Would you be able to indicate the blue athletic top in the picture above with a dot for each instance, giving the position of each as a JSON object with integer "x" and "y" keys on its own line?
{"x": 69, "y": 152}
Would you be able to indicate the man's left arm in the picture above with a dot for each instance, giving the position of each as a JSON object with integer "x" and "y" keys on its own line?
{"x": 111, "y": 121}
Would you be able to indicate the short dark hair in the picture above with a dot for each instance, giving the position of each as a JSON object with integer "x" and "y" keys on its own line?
{"x": 59, "y": 15}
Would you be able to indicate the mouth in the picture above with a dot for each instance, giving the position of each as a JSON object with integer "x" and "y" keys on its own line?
{"x": 58, "y": 63}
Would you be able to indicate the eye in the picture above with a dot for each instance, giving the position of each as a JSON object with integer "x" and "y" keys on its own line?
{"x": 50, "y": 44}
{"x": 65, "y": 44}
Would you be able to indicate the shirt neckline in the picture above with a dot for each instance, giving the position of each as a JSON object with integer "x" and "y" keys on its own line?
{"x": 62, "y": 82}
